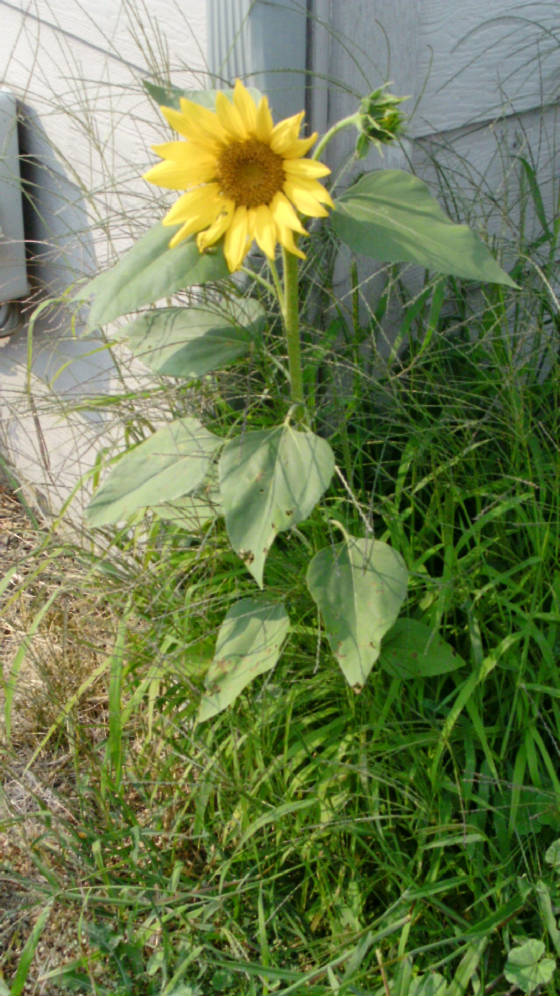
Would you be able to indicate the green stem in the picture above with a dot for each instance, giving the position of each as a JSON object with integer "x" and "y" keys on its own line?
{"x": 260, "y": 280}
{"x": 277, "y": 284}
{"x": 352, "y": 119}
{"x": 290, "y": 314}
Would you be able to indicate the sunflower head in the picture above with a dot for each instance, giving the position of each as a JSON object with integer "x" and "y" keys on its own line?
{"x": 244, "y": 177}
{"x": 379, "y": 120}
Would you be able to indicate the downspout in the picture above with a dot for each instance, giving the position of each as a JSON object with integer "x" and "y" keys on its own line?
{"x": 264, "y": 42}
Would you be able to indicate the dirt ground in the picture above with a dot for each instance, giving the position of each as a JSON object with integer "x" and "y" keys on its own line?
{"x": 42, "y": 663}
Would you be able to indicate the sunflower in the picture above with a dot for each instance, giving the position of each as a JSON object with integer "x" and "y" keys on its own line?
{"x": 245, "y": 178}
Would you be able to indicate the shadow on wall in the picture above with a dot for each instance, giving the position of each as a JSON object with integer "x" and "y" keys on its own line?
{"x": 48, "y": 445}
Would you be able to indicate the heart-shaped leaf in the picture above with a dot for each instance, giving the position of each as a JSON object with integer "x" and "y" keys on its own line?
{"x": 359, "y": 586}
{"x": 391, "y": 216}
{"x": 148, "y": 272}
{"x": 526, "y": 967}
{"x": 189, "y": 342}
{"x": 191, "y": 512}
{"x": 248, "y": 644}
{"x": 171, "y": 463}
{"x": 269, "y": 481}
{"x": 411, "y": 650}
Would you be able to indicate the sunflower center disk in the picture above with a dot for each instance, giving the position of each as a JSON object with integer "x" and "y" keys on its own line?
{"x": 250, "y": 173}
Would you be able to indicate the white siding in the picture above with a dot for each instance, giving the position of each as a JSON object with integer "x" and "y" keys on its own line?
{"x": 79, "y": 74}
{"x": 86, "y": 132}
{"x": 484, "y": 59}
{"x": 483, "y": 78}
{"x": 461, "y": 61}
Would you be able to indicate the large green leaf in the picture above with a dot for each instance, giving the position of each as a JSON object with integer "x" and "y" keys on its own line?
{"x": 391, "y": 216}
{"x": 191, "y": 512}
{"x": 359, "y": 586}
{"x": 249, "y": 643}
{"x": 170, "y": 95}
{"x": 171, "y": 463}
{"x": 148, "y": 272}
{"x": 269, "y": 481}
{"x": 411, "y": 650}
{"x": 189, "y": 342}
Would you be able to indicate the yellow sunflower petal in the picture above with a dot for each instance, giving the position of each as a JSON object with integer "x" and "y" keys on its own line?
{"x": 183, "y": 124}
{"x": 179, "y": 176}
{"x": 284, "y": 215}
{"x": 265, "y": 230}
{"x": 217, "y": 228}
{"x": 203, "y": 200}
{"x": 180, "y": 236}
{"x": 202, "y": 217}
{"x": 171, "y": 150}
{"x": 195, "y": 223}
{"x": 308, "y": 197}
{"x": 183, "y": 151}
{"x": 230, "y": 118}
{"x": 264, "y": 125}
{"x": 286, "y": 132}
{"x": 305, "y": 169}
{"x": 317, "y": 190}
{"x": 246, "y": 107}
{"x": 202, "y": 120}
{"x": 235, "y": 242}
{"x": 176, "y": 120}
{"x": 299, "y": 147}
{"x": 286, "y": 238}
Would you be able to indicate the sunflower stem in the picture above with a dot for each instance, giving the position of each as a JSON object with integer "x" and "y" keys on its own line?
{"x": 290, "y": 313}
{"x": 352, "y": 119}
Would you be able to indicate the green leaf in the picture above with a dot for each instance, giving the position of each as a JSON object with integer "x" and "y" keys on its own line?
{"x": 526, "y": 967}
{"x": 359, "y": 586}
{"x": 170, "y": 95}
{"x": 27, "y": 955}
{"x": 391, "y": 216}
{"x": 171, "y": 463}
{"x": 433, "y": 984}
{"x": 552, "y": 855}
{"x": 547, "y": 912}
{"x": 270, "y": 480}
{"x": 189, "y": 342}
{"x": 249, "y": 643}
{"x": 467, "y": 967}
{"x": 413, "y": 650}
{"x": 190, "y": 513}
{"x": 148, "y": 272}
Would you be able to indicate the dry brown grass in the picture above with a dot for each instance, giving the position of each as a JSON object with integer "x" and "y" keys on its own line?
{"x": 48, "y": 657}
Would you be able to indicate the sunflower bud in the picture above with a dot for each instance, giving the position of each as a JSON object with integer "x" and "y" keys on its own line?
{"x": 378, "y": 120}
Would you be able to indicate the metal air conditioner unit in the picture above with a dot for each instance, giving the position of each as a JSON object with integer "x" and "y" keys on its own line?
{"x": 13, "y": 273}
